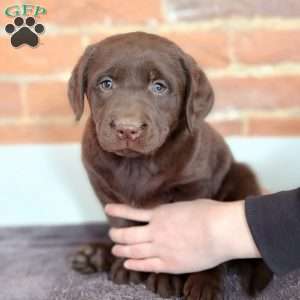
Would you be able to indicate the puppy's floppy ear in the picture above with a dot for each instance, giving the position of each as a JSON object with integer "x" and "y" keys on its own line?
{"x": 199, "y": 95}
{"x": 78, "y": 82}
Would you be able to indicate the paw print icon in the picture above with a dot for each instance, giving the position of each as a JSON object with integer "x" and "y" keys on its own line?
{"x": 24, "y": 31}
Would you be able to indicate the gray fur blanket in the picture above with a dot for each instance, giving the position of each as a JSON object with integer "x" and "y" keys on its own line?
{"x": 35, "y": 266}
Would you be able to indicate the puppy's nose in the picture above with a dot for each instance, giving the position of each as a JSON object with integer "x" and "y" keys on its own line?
{"x": 130, "y": 131}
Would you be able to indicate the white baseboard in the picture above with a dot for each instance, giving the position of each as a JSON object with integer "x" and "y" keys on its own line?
{"x": 46, "y": 184}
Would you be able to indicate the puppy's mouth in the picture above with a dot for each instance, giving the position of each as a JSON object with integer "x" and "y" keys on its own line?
{"x": 124, "y": 149}
{"x": 128, "y": 153}
{"x": 130, "y": 148}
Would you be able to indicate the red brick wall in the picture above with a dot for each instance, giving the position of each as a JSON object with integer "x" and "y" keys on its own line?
{"x": 250, "y": 51}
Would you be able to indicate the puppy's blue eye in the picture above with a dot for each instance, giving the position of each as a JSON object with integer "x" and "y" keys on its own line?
{"x": 106, "y": 84}
{"x": 159, "y": 87}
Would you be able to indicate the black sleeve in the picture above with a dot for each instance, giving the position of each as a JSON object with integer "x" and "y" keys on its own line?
{"x": 274, "y": 222}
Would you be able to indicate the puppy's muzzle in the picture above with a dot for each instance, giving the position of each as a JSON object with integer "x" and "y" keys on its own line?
{"x": 129, "y": 130}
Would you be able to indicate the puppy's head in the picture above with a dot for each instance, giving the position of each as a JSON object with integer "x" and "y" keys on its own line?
{"x": 140, "y": 88}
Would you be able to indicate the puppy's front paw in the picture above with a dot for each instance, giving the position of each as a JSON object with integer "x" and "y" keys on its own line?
{"x": 166, "y": 285}
{"x": 256, "y": 278}
{"x": 120, "y": 275}
{"x": 92, "y": 258}
{"x": 202, "y": 286}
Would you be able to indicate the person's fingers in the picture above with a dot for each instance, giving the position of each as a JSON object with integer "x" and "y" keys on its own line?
{"x": 265, "y": 191}
{"x": 153, "y": 264}
{"x": 127, "y": 212}
{"x": 130, "y": 235}
{"x": 137, "y": 251}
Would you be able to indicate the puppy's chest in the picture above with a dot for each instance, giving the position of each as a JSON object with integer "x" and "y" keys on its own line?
{"x": 133, "y": 182}
{"x": 146, "y": 186}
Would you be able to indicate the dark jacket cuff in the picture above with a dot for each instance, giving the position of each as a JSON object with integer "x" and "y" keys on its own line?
{"x": 274, "y": 221}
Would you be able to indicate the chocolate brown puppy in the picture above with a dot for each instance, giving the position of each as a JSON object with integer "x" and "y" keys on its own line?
{"x": 146, "y": 143}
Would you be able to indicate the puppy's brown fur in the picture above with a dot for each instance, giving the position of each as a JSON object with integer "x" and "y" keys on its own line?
{"x": 177, "y": 156}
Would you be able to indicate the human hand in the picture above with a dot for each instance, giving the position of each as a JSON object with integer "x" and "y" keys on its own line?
{"x": 182, "y": 237}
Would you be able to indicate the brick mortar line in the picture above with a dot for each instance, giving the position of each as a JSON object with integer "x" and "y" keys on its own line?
{"x": 28, "y": 78}
{"x": 231, "y": 47}
{"x": 235, "y": 70}
{"x": 233, "y": 115}
{"x": 245, "y": 126}
{"x": 164, "y": 9}
{"x": 238, "y": 114}
{"x": 222, "y": 24}
{"x": 240, "y": 70}
{"x": 24, "y": 104}
{"x": 85, "y": 41}
{"x": 53, "y": 121}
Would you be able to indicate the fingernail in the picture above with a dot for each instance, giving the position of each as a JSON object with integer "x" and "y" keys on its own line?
{"x": 113, "y": 250}
{"x": 106, "y": 208}
{"x": 110, "y": 231}
{"x": 126, "y": 265}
